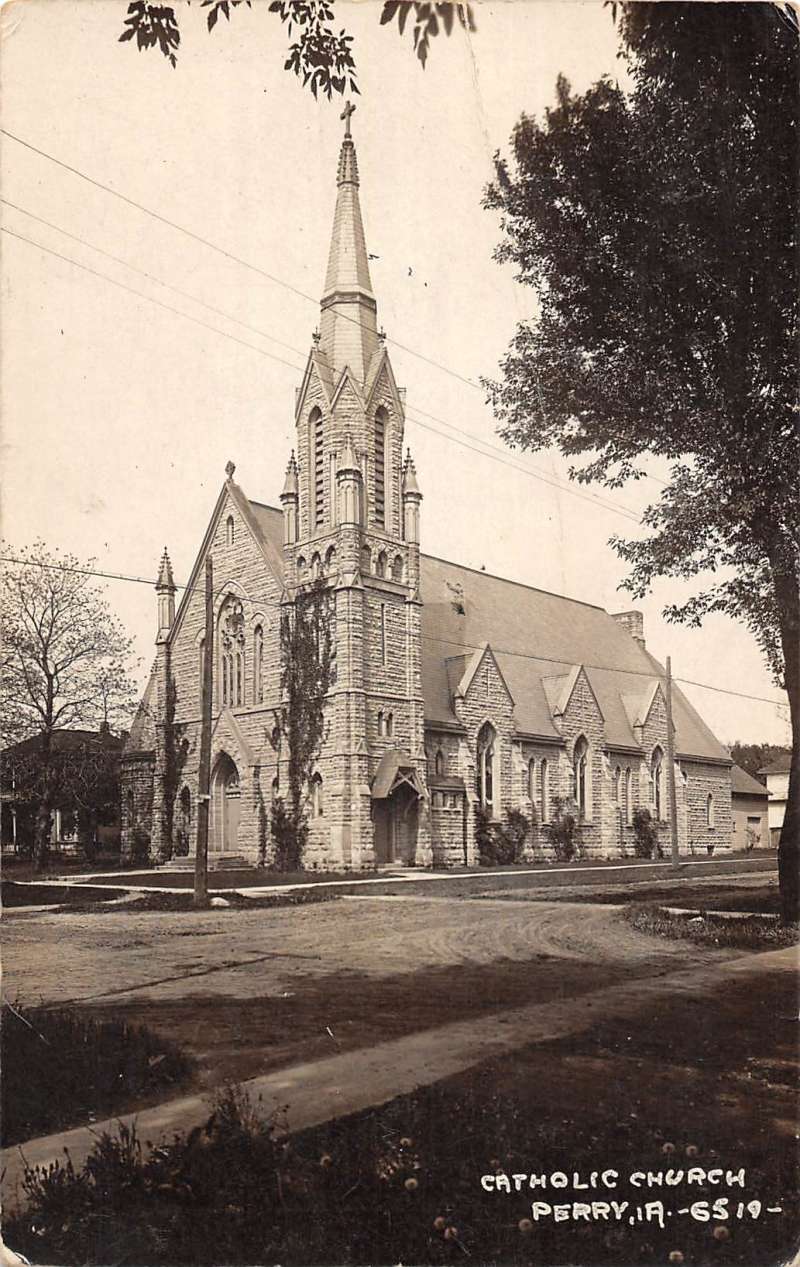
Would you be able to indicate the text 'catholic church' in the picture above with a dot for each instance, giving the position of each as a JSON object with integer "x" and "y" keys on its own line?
{"x": 454, "y": 689}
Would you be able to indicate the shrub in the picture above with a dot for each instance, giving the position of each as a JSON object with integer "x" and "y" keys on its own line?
{"x": 484, "y": 837}
{"x": 500, "y": 844}
{"x": 140, "y": 852}
{"x": 564, "y": 831}
{"x": 290, "y": 838}
{"x": 645, "y": 833}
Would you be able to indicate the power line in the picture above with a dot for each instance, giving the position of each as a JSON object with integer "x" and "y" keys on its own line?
{"x": 149, "y": 298}
{"x": 278, "y": 281}
{"x": 520, "y": 655}
{"x": 150, "y": 276}
{"x": 246, "y": 264}
{"x": 494, "y": 454}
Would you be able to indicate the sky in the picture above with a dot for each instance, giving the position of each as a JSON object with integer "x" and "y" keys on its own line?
{"x": 121, "y": 409}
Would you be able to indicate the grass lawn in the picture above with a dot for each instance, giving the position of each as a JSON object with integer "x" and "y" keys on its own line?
{"x": 709, "y": 1084}
{"x": 761, "y": 898}
{"x": 750, "y": 933}
{"x": 16, "y": 894}
{"x": 184, "y": 902}
{"x": 62, "y": 1067}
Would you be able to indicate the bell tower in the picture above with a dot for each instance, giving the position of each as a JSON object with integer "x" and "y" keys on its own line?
{"x": 351, "y": 512}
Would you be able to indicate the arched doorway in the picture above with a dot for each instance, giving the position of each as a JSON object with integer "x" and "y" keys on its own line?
{"x": 225, "y": 806}
{"x": 395, "y": 821}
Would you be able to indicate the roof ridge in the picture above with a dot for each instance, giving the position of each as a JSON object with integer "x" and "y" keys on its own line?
{"x": 533, "y": 589}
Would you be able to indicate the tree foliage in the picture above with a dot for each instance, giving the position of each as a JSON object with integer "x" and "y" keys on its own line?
{"x": 307, "y": 674}
{"x": 319, "y": 55}
{"x": 753, "y": 757}
{"x": 66, "y": 661}
{"x": 657, "y": 225}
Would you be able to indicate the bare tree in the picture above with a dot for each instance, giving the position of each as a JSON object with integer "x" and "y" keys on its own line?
{"x": 66, "y": 662}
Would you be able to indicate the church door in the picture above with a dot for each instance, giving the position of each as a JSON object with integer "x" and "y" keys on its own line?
{"x": 225, "y": 806}
{"x": 383, "y": 833}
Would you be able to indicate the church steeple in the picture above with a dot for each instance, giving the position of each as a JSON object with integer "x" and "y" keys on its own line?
{"x": 348, "y": 325}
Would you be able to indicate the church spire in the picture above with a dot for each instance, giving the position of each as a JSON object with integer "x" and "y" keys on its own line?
{"x": 348, "y": 325}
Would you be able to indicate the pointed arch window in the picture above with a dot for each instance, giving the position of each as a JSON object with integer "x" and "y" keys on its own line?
{"x": 380, "y": 566}
{"x": 318, "y": 467}
{"x": 397, "y": 568}
{"x": 258, "y": 665}
{"x": 381, "y": 419}
{"x": 544, "y": 783}
{"x": 366, "y": 560}
{"x": 711, "y": 819}
{"x": 580, "y": 776}
{"x": 438, "y": 764}
{"x": 231, "y": 657}
{"x": 389, "y": 725}
{"x": 532, "y": 780}
{"x": 381, "y": 727}
{"x": 657, "y": 783}
{"x": 230, "y": 531}
{"x": 317, "y": 803}
{"x": 487, "y": 769}
{"x": 618, "y": 786}
{"x": 628, "y": 796}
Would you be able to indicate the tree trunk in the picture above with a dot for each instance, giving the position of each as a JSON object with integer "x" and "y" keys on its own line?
{"x": 44, "y": 810}
{"x": 789, "y": 844}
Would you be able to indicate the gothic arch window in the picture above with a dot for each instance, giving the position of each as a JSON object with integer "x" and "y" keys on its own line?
{"x": 628, "y": 796}
{"x": 657, "y": 783}
{"x": 532, "y": 780}
{"x": 381, "y": 430}
{"x": 366, "y": 560}
{"x": 438, "y": 763}
{"x": 258, "y": 665}
{"x": 544, "y": 779}
{"x": 397, "y": 568}
{"x": 380, "y": 566}
{"x": 381, "y": 726}
{"x": 711, "y": 820}
{"x": 617, "y": 786}
{"x": 580, "y": 776}
{"x": 389, "y": 725}
{"x": 315, "y": 424}
{"x": 316, "y": 567}
{"x": 276, "y": 786}
{"x": 231, "y": 653}
{"x": 229, "y": 531}
{"x": 317, "y": 804}
{"x": 488, "y": 783}
{"x": 330, "y": 558}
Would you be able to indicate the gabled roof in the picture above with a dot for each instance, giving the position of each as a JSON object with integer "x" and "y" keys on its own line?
{"x": 263, "y": 536}
{"x": 536, "y": 636}
{"x": 744, "y": 784}
{"x": 64, "y": 741}
{"x": 781, "y": 765}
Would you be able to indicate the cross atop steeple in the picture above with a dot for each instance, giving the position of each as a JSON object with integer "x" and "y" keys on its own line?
{"x": 346, "y": 113}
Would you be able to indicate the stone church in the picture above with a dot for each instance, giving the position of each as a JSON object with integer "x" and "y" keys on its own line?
{"x": 454, "y": 689}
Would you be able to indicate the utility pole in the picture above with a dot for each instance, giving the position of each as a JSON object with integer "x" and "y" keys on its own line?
{"x": 673, "y": 803}
{"x": 204, "y": 780}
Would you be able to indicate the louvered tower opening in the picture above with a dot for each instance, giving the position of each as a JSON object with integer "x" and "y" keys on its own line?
{"x": 380, "y": 469}
{"x": 319, "y": 474}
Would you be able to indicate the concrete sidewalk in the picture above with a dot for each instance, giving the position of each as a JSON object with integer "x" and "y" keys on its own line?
{"x": 317, "y": 1092}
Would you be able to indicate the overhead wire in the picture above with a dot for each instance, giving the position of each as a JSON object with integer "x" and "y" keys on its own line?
{"x": 521, "y": 655}
{"x": 462, "y": 438}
